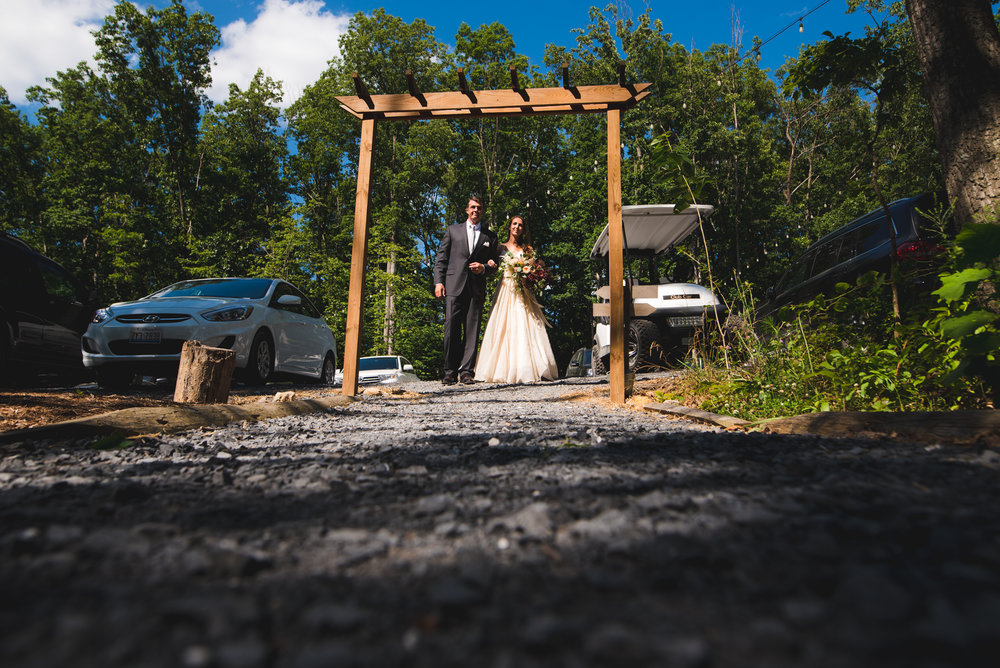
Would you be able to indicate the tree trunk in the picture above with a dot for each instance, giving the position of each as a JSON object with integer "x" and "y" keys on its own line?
{"x": 205, "y": 374}
{"x": 959, "y": 50}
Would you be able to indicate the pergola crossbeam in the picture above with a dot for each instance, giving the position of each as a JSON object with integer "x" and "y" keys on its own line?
{"x": 462, "y": 104}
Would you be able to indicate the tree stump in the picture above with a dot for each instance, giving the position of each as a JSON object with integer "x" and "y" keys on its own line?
{"x": 205, "y": 374}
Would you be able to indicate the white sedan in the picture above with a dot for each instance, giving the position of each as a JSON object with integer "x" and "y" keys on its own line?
{"x": 271, "y": 326}
{"x": 383, "y": 370}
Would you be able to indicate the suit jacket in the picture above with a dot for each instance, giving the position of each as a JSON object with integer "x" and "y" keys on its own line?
{"x": 451, "y": 267}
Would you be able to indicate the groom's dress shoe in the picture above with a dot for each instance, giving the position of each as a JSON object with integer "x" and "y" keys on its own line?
{"x": 449, "y": 379}
{"x": 467, "y": 379}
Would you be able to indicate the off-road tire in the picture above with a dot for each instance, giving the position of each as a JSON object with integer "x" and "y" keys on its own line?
{"x": 598, "y": 363}
{"x": 644, "y": 351}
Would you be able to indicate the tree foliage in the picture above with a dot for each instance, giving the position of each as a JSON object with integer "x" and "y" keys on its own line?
{"x": 132, "y": 179}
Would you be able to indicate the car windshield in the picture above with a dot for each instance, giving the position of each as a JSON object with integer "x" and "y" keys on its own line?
{"x": 376, "y": 363}
{"x": 241, "y": 288}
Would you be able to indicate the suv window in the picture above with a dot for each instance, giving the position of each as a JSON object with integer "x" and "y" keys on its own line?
{"x": 873, "y": 234}
{"x": 58, "y": 285}
{"x": 827, "y": 256}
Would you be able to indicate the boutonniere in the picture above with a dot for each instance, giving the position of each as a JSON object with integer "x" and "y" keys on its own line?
{"x": 486, "y": 244}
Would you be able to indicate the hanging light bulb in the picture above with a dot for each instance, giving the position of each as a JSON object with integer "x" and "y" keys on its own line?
{"x": 801, "y": 29}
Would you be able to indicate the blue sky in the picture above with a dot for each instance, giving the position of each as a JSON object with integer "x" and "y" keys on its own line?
{"x": 293, "y": 39}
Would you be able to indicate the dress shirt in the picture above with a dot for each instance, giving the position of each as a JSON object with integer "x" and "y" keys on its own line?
{"x": 473, "y": 231}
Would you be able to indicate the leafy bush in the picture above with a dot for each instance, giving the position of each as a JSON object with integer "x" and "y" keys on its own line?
{"x": 842, "y": 352}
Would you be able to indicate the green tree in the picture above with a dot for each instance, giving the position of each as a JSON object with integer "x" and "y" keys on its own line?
{"x": 121, "y": 148}
{"x": 242, "y": 189}
{"x": 21, "y": 169}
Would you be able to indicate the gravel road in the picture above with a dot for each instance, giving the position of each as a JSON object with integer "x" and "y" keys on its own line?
{"x": 498, "y": 526}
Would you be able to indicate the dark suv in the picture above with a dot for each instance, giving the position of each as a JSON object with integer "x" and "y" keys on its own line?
{"x": 43, "y": 313}
{"x": 860, "y": 246}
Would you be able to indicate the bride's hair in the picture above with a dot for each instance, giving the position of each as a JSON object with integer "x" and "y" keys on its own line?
{"x": 525, "y": 239}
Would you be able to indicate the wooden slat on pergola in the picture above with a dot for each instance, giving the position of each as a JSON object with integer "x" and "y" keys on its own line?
{"x": 467, "y": 103}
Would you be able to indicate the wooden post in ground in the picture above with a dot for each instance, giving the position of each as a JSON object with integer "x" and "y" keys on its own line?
{"x": 616, "y": 265}
{"x": 205, "y": 374}
{"x": 359, "y": 261}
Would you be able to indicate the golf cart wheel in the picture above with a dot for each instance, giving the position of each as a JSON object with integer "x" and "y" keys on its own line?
{"x": 644, "y": 351}
{"x": 598, "y": 363}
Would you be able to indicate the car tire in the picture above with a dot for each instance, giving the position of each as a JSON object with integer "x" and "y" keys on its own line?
{"x": 598, "y": 364}
{"x": 5, "y": 370}
{"x": 644, "y": 351}
{"x": 260, "y": 364}
{"x": 329, "y": 374}
{"x": 114, "y": 377}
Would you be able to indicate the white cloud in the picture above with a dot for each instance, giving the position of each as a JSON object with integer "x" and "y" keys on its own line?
{"x": 291, "y": 41}
{"x": 39, "y": 38}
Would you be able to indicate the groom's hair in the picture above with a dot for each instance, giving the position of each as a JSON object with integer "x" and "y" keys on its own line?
{"x": 477, "y": 199}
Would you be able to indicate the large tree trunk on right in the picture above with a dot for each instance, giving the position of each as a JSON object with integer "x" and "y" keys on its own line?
{"x": 959, "y": 49}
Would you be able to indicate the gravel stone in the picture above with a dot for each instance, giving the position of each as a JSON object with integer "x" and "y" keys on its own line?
{"x": 499, "y": 526}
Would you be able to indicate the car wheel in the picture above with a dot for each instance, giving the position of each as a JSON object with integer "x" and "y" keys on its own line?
{"x": 114, "y": 377}
{"x": 644, "y": 350}
{"x": 261, "y": 362}
{"x": 5, "y": 371}
{"x": 329, "y": 370}
{"x": 598, "y": 363}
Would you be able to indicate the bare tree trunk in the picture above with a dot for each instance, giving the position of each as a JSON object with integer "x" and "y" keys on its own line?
{"x": 959, "y": 50}
{"x": 389, "y": 330}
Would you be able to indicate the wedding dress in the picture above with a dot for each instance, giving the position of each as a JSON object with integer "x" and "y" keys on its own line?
{"x": 515, "y": 346}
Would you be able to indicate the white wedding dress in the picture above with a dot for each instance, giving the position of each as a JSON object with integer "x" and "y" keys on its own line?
{"x": 515, "y": 346}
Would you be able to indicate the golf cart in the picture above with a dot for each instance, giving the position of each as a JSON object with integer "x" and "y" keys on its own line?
{"x": 661, "y": 317}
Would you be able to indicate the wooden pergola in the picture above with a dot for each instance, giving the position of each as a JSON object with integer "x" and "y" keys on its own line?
{"x": 467, "y": 103}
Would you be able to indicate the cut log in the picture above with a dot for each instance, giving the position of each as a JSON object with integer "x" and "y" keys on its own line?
{"x": 205, "y": 374}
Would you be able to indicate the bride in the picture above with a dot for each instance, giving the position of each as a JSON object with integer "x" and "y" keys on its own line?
{"x": 515, "y": 346}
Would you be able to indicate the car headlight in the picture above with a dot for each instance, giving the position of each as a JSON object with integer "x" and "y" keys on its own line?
{"x": 228, "y": 313}
{"x": 101, "y": 314}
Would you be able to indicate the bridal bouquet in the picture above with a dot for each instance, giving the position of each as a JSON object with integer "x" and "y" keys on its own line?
{"x": 528, "y": 272}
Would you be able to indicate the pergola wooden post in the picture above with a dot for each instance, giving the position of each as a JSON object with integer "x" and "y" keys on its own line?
{"x": 616, "y": 262}
{"x": 467, "y": 103}
{"x": 359, "y": 260}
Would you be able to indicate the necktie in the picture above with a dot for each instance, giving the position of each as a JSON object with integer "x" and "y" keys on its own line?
{"x": 472, "y": 238}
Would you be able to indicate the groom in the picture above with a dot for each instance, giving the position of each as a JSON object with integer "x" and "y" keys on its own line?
{"x": 468, "y": 253}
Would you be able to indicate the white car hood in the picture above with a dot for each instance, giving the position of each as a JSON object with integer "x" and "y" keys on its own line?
{"x": 179, "y": 304}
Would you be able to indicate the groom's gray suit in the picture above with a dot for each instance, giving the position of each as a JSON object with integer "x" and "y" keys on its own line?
{"x": 465, "y": 293}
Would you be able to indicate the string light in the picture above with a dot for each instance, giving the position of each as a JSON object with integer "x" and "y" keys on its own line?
{"x": 756, "y": 49}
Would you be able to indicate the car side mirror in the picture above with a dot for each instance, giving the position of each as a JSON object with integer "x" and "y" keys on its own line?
{"x": 408, "y": 367}
{"x": 289, "y": 300}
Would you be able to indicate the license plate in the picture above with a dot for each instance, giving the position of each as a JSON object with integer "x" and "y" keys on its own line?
{"x": 145, "y": 335}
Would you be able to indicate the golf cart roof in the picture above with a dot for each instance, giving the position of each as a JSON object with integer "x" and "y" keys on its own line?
{"x": 654, "y": 227}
